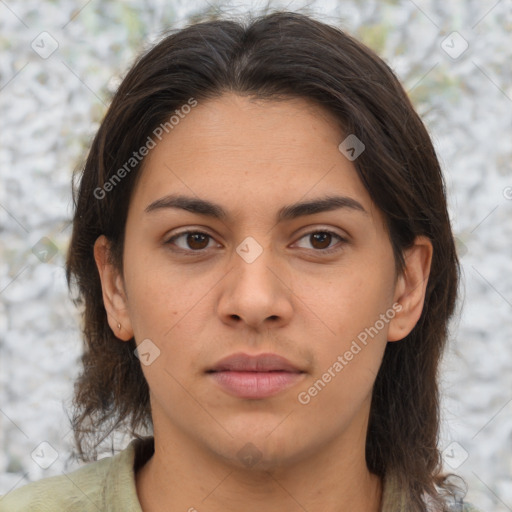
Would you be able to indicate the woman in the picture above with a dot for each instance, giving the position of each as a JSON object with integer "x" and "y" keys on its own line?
{"x": 262, "y": 248}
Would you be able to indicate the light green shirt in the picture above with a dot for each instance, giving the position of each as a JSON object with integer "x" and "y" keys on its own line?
{"x": 108, "y": 485}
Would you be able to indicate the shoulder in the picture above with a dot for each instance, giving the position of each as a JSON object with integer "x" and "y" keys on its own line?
{"x": 78, "y": 490}
{"x": 86, "y": 489}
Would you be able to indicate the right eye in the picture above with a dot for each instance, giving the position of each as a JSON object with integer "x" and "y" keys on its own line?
{"x": 192, "y": 241}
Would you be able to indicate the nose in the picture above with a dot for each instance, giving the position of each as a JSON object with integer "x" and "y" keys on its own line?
{"x": 256, "y": 292}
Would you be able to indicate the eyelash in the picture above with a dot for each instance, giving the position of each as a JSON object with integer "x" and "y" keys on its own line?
{"x": 331, "y": 250}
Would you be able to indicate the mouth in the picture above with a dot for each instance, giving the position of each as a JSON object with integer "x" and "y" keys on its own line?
{"x": 255, "y": 377}
{"x": 258, "y": 363}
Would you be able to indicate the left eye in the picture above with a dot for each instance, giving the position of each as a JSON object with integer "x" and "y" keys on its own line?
{"x": 321, "y": 240}
{"x": 194, "y": 239}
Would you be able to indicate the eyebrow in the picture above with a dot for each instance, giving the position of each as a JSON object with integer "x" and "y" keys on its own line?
{"x": 289, "y": 212}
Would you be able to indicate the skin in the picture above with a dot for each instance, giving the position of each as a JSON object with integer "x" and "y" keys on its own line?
{"x": 253, "y": 157}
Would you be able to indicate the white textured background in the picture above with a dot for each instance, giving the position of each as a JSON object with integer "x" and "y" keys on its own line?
{"x": 51, "y": 107}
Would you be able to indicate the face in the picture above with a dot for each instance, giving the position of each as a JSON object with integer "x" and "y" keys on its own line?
{"x": 257, "y": 274}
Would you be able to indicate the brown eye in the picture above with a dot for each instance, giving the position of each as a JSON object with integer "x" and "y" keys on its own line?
{"x": 321, "y": 241}
{"x": 197, "y": 240}
{"x": 193, "y": 240}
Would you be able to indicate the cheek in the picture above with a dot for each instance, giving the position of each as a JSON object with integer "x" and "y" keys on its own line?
{"x": 159, "y": 296}
{"x": 169, "y": 307}
{"x": 354, "y": 312}
{"x": 349, "y": 302}
{"x": 347, "y": 359}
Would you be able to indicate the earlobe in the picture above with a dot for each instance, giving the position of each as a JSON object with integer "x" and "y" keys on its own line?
{"x": 411, "y": 287}
{"x": 114, "y": 296}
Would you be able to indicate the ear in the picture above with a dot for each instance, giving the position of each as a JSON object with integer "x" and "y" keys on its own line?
{"x": 114, "y": 296}
{"x": 410, "y": 288}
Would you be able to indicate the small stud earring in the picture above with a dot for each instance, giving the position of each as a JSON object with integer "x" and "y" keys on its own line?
{"x": 119, "y": 326}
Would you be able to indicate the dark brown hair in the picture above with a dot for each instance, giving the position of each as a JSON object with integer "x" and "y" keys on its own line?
{"x": 276, "y": 56}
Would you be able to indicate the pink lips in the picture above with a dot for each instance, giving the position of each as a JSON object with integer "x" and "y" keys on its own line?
{"x": 260, "y": 376}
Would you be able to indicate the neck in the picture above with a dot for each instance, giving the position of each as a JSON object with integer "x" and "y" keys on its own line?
{"x": 183, "y": 477}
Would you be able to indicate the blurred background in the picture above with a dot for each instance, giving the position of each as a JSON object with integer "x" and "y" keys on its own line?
{"x": 60, "y": 63}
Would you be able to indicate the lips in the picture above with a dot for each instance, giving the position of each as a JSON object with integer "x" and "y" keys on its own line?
{"x": 258, "y": 363}
{"x": 255, "y": 377}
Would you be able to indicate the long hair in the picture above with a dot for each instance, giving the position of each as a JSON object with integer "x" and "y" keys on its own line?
{"x": 276, "y": 56}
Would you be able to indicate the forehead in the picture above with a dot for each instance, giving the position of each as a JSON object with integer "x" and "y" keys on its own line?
{"x": 247, "y": 153}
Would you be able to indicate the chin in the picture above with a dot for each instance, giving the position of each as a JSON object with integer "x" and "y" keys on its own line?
{"x": 262, "y": 453}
